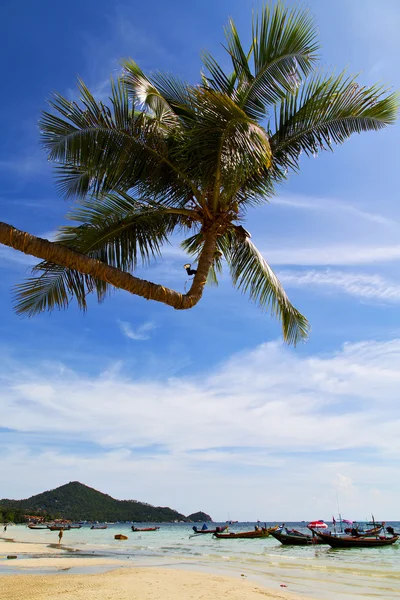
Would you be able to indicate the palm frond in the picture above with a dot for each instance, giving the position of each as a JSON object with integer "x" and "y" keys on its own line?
{"x": 224, "y": 146}
{"x": 217, "y": 79}
{"x": 284, "y": 52}
{"x": 118, "y": 231}
{"x": 54, "y": 288}
{"x": 239, "y": 58}
{"x": 147, "y": 95}
{"x": 176, "y": 92}
{"x": 251, "y": 274}
{"x": 327, "y": 111}
{"x": 97, "y": 150}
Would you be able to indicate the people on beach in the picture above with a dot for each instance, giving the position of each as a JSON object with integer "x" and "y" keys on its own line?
{"x": 60, "y": 535}
{"x": 5, "y": 527}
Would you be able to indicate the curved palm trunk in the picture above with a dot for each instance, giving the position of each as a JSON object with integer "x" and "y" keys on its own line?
{"x": 61, "y": 255}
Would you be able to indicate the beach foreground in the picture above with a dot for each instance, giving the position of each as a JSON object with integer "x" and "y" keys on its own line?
{"x": 202, "y": 567}
{"x": 136, "y": 584}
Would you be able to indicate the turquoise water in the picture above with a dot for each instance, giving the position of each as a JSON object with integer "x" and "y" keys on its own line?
{"x": 315, "y": 571}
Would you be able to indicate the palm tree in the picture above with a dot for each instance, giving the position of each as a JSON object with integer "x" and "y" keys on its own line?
{"x": 169, "y": 157}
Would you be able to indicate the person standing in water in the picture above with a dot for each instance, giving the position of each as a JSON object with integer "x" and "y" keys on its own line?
{"x": 60, "y": 535}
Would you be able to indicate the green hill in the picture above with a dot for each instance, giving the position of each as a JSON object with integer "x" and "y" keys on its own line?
{"x": 79, "y": 502}
{"x": 198, "y": 517}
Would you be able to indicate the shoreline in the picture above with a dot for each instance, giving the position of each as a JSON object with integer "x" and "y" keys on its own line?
{"x": 311, "y": 574}
{"x": 42, "y": 571}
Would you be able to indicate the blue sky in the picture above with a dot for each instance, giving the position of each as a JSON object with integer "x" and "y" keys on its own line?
{"x": 138, "y": 400}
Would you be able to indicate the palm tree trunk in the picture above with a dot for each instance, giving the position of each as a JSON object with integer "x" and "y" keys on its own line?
{"x": 61, "y": 255}
{"x": 206, "y": 259}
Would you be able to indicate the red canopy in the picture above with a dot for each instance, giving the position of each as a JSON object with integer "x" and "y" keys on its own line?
{"x": 317, "y": 525}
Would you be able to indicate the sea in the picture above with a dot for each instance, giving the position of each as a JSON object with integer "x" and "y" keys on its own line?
{"x": 314, "y": 571}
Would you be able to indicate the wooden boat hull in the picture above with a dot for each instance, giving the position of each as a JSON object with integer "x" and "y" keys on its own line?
{"x": 263, "y": 533}
{"x": 101, "y": 527}
{"x": 58, "y": 528}
{"x": 119, "y": 536}
{"x": 293, "y": 539}
{"x": 369, "y": 533}
{"x": 135, "y": 529}
{"x": 356, "y": 542}
{"x": 37, "y": 527}
{"x": 203, "y": 531}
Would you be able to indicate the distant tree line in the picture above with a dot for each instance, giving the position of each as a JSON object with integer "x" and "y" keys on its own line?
{"x": 10, "y": 514}
{"x": 79, "y": 502}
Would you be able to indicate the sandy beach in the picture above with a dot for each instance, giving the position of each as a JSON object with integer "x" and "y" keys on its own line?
{"x": 117, "y": 583}
{"x": 171, "y": 565}
{"x": 136, "y": 584}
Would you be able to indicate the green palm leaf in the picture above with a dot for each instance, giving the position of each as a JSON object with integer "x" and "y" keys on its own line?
{"x": 224, "y": 146}
{"x": 252, "y": 274}
{"x": 284, "y": 51}
{"x": 159, "y": 91}
{"x": 119, "y": 231}
{"x": 327, "y": 111}
{"x": 166, "y": 155}
{"x": 55, "y": 288}
{"x": 98, "y": 150}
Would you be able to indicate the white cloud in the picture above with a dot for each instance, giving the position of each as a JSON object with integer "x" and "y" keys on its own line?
{"x": 362, "y": 285}
{"x": 332, "y": 206}
{"x": 143, "y": 332}
{"x": 342, "y": 234}
{"x": 346, "y": 254}
{"x": 9, "y": 255}
{"x": 268, "y": 413}
{"x": 27, "y": 164}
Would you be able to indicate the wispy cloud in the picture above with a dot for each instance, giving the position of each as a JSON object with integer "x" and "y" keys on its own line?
{"x": 300, "y": 414}
{"x": 332, "y": 206}
{"x": 362, "y": 285}
{"x": 9, "y": 255}
{"x": 32, "y": 164}
{"x": 332, "y": 255}
{"x": 143, "y": 332}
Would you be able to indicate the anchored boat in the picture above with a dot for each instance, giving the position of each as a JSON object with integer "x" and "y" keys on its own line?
{"x": 256, "y": 533}
{"x": 348, "y": 541}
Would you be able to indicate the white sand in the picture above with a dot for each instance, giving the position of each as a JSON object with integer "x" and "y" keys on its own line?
{"x": 12, "y": 547}
{"x": 135, "y": 584}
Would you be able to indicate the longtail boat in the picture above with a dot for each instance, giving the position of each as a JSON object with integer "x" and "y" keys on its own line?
{"x": 216, "y": 530}
{"x": 291, "y": 537}
{"x": 119, "y": 536}
{"x": 348, "y": 541}
{"x": 364, "y": 532}
{"x": 256, "y": 533}
{"x": 145, "y": 528}
{"x": 99, "y": 527}
{"x": 37, "y": 526}
{"x": 58, "y": 527}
